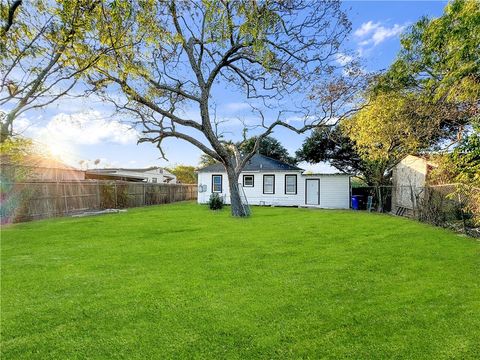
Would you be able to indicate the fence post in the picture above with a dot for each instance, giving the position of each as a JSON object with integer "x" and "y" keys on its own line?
{"x": 464, "y": 223}
{"x": 98, "y": 195}
{"x": 115, "y": 189}
{"x": 144, "y": 196}
{"x": 65, "y": 199}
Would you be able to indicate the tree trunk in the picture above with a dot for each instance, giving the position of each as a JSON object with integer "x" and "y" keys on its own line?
{"x": 237, "y": 207}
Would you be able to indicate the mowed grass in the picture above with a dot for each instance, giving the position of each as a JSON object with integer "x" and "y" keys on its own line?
{"x": 179, "y": 281}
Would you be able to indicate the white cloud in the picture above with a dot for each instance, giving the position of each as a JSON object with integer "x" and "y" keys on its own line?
{"x": 375, "y": 33}
{"x": 87, "y": 128}
{"x": 382, "y": 33}
{"x": 366, "y": 28}
{"x": 343, "y": 59}
{"x": 237, "y": 106}
{"x": 64, "y": 132}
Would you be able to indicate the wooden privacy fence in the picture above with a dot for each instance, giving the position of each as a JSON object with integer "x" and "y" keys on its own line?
{"x": 24, "y": 201}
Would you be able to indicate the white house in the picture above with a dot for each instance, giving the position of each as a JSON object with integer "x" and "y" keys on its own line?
{"x": 267, "y": 181}
{"x": 152, "y": 174}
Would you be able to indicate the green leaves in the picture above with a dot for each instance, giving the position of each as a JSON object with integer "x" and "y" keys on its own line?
{"x": 466, "y": 158}
{"x": 438, "y": 68}
{"x": 388, "y": 128}
{"x": 438, "y": 55}
{"x": 269, "y": 146}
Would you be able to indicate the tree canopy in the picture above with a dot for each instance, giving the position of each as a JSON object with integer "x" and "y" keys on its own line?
{"x": 428, "y": 99}
{"x": 43, "y": 53}
{"x": 327, "y": 144}
{"x": 389, "y": 127}
{"x": 332, "y": 145}
{"x": 185, "y": 174}
{"x": 462, "y": 165}
{"x": 438, "y": 64}
{"x": 269, "y": 146}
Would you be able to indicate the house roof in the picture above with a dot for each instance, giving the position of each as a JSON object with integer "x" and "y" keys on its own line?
{"x": 327, "y": 174}
{"x": 113, "y": 170}
{"x": 133, "y": 174}
{"x": 258, "y": 162}
{"x": 125, "y": 171}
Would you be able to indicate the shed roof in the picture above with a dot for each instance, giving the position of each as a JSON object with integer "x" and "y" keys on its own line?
{"x": 428, "y": 158}
{"x": 258, "y": 162}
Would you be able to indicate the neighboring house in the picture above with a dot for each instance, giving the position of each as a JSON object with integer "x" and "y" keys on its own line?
{"x": 267, "y": 181}
{"x": 409, "y": 179}
{"x": 153, "y": 174}
{"x": 40, "y": 168}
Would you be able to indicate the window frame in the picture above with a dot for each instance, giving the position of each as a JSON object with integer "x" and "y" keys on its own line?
{"x": 273, "y": 184}
{"x": 253, "y": 181}
{"x": 213, "y": 183}
{"x": 296, "y": 184}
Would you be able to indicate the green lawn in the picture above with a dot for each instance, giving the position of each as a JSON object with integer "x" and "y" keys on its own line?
{"x": 179, "y": 281}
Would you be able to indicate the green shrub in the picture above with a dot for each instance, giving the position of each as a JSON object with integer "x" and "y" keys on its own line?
{"x": 215, "y": 202}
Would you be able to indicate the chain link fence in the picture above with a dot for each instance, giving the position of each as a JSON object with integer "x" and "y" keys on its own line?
{"x": 452, "y": 206}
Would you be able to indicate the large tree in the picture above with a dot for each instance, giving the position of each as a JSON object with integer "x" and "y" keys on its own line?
{"x": 439, "y": 65}
{"x": 269, "y": 146}
{"x": 43, "y": 53}
{"x": 390, "y": 127}
{"x": 178, "y": 55}
{"x": 332, "y": 145}
{"x": 373, "y": 140}
{"x": 185, "y": 174}
{"x": 329, "y": 144}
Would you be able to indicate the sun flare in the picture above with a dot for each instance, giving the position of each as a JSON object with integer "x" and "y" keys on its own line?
{"x": 57, "y": 150}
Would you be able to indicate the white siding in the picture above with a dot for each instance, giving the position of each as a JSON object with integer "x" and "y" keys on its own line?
{"x": 334, "y": 192}
{"x": 409, "y": 177}
{"x": 334, "y": 189}
{"x": 205, "y": 180}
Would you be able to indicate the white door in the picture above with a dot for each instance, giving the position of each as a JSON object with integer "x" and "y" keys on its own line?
{"x": 312, "y": 196}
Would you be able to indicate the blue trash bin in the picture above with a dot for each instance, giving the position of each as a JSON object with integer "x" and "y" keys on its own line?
{"x": 355, "y": 202}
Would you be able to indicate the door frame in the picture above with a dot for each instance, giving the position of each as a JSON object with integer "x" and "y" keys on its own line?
{"x": 306, "y": 191}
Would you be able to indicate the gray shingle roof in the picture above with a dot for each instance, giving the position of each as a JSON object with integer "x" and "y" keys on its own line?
{"x": 258, "y": 162}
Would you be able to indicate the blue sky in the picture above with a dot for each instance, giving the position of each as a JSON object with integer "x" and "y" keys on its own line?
{"x": 83, "y": 129}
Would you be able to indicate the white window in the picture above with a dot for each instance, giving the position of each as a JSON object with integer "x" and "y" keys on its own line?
{"x": 248, "y": 181}
{"x": 269, "y": 184}
{"x": 217, "y": 183}
{"x": 291, "y": 184}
